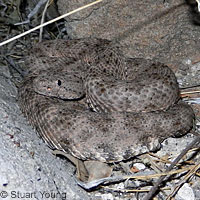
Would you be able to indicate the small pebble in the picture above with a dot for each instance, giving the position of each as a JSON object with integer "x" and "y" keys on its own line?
{"x": 187, "y": 61}
{"x": 185, "y": 193}
{"x": 139, "y": 166}
{"x": 107, "y": 197}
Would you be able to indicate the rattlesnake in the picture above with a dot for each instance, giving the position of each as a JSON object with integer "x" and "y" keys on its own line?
{"x": 84, "y": 97}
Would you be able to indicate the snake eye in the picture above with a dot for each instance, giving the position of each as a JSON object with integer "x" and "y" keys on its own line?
{"x": 59, "y": 82}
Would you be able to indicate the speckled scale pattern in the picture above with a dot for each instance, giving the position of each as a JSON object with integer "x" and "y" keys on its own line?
{"x": 86, "y": 98}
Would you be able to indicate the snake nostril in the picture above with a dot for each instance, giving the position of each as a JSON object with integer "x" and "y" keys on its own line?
{"x": 59, "y": 82}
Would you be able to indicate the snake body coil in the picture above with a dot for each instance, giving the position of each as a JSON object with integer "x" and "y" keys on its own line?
{"x": 85, "y": 97}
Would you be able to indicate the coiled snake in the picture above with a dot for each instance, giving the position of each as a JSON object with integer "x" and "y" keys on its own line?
{"x": 85, "y": 97}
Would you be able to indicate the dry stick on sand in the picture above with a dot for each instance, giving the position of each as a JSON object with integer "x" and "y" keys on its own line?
{"x": 190, "y": 92}
{"x": 93, "y": 184}
{"x": 191, "y": 173}
{"x": 42, "y": 20}
{"x": 50, "y": 22}
{"x": 157, "y": 184}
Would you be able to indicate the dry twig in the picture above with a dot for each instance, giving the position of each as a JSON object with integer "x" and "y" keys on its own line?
{"x": 49, "y": 22}
{"x": 157, "y": 184}
{"x": 188, "y": 175}
{"x": 42, "y": 20}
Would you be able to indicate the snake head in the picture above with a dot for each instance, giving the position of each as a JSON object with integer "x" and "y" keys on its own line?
{"x": 64, "y": 85}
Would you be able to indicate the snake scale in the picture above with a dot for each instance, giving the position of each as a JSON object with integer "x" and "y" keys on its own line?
{"x": 83, "y": 96}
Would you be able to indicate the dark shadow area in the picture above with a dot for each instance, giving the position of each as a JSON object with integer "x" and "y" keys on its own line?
{"x": 195, "y": 15}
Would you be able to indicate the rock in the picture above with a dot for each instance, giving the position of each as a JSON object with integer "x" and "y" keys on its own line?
{"x": 139, "y": 166}
{"x": 153, "y": 29}
{"x": 97, "y": 170}
{"x": 185, "y": 193}
{"x": 27, "y": 166}
{"x": 105, "y": 196}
